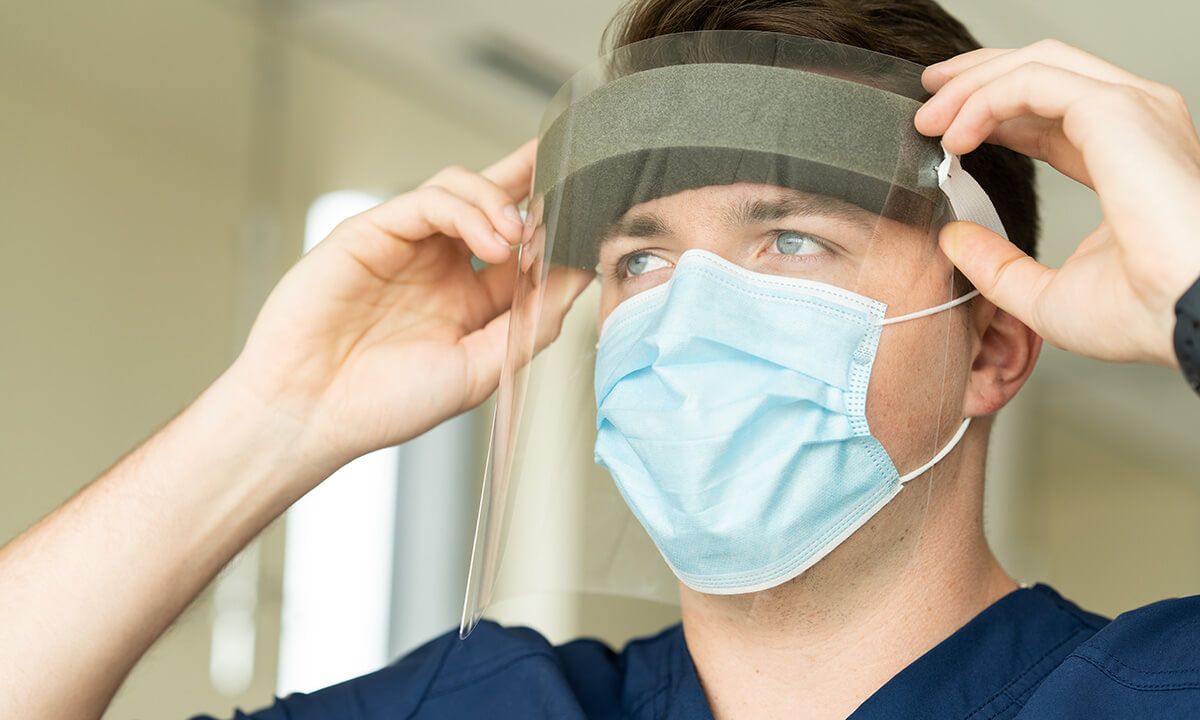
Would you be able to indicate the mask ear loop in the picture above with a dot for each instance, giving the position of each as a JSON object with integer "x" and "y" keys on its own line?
{"x": 962, "y": 429}
{"x": 929, "y": 311}
{"x": 966, "y": 421}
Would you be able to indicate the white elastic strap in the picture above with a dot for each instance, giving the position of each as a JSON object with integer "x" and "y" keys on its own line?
{"x": 966, "y": 197}
{"x": 941, "y": 454}
{"x": 930, "y": 311}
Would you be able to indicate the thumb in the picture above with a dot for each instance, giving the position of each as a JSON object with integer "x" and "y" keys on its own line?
{"x": 546, "y": 306}
{"x": 1001, "y": 271}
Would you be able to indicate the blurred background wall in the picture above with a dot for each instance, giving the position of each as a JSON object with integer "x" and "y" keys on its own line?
{"x": 158, "y": 162}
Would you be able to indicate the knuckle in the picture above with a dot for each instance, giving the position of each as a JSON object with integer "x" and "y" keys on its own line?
{"x": 1027, "y": 78}
{"x": 1113, "y": 98}
{"x": 1049, "y": 43}
{"x": 1002, "y": 271}
{"x": 437, "y": 204}
{"x": 446, "y": 174}
{"x": 1035, "y": 67}
{"x": 433, "y": 193}
{"x": 348, "y": 226}
{"x": 1124, "y": 95}
{"x": 453, "y": 171}
{"x": 354, "y": 228}
{"x": 1029, "y": 74}
{"x": 1169, "y": 95}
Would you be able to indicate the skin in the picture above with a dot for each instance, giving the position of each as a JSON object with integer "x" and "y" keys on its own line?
{"x": 319, "y": 381}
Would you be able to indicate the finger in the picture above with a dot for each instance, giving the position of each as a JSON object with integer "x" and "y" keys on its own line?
{"x": 514, "y": 173}
{"x": 487, "y": 347}
{"x": 1045, "y": 91}
{"x": 1043, "y": 139}
{"x": 957, "y": 79}
{"x": 563, "y": 285}
{"x": 980, "y": 66}
{"x": 428, "y": 210}
{"x": 1001, "y": 271}
{"x": 484, "y": 350}
{"x": 938, "y": 74}
{"x": 498, "y": 282}
{"x": 532, "y": 246}
{"x": 545, "y": 306}
{"x": 484, "y": 194}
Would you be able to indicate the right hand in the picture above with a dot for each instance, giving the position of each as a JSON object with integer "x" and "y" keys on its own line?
{"x": 384, "y": 330}
{"x": 1132, "y": 141}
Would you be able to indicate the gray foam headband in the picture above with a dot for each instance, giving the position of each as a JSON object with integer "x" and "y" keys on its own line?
{"x": 656, "y": 132}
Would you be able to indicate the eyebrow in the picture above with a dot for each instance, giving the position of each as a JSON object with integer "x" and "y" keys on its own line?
{"x": 746, "y": 212}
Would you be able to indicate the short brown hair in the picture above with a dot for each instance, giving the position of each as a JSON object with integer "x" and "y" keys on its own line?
{"x": 920, "y": 31}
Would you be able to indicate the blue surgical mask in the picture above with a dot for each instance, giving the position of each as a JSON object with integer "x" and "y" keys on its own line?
{"x": 731, "y": 415}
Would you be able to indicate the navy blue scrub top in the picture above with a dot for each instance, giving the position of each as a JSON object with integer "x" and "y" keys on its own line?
{"x": 1032, "y": 654}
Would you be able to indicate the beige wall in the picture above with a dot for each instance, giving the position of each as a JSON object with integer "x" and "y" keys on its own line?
{"x": 121, "y": 194}
{"x": 1105, "y": 500}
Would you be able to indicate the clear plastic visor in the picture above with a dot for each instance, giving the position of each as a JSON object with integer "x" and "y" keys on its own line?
{"x": 768, "y": 159}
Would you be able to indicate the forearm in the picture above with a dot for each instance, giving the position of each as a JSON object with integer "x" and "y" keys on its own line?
{"x": 87, "y": 590}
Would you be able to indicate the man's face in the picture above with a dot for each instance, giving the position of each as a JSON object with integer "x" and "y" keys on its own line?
{"x": 919, "y": 373}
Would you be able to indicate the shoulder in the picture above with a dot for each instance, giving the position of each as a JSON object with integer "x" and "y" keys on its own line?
{"x": 1153, "y": 647}
{"x": 1146, "y": 661}
{"x": 501, "y": 672}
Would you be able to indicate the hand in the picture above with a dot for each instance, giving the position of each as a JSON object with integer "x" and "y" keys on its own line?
{"x": 384, "y": 330}
{"x": 1130, "y": 140}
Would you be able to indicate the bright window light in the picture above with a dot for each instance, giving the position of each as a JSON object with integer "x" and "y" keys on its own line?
{"x": 338, "y": 561}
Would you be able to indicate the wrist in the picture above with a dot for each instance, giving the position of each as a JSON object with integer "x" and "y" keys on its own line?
{"x": 267, "y": 448}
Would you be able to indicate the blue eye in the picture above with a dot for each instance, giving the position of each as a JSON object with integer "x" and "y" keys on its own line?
{"x": 641, "y": 262}
{"x": 790, "y": 242}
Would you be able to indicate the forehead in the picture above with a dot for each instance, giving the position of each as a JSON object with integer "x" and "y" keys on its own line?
{"x": 856, "y": 249}
{"x": 731, "y": 205}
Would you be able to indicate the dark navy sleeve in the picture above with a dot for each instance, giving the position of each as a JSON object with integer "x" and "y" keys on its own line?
{"x": 1145, "y": 664}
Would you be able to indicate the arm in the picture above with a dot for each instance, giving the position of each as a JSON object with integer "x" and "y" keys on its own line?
{"x": 376, "y": 335}
{"x": 87, "y": 590}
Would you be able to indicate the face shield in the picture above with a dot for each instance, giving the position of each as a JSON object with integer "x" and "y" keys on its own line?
{"x": 767, "y": 349}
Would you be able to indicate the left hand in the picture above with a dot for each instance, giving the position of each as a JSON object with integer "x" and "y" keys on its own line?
{"x": 1129, "y": 139}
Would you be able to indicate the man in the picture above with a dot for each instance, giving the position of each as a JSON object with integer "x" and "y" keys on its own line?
{"x": 390, "y": 295}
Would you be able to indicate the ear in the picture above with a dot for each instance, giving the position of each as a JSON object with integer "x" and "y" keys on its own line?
{"x": 1004, "y": 353}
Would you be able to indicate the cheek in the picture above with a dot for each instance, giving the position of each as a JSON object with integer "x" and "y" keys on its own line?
{"x": 916, "y": 388}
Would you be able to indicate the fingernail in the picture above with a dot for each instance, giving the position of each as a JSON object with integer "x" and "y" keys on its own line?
{"x": 500, "y": 240}
{"x": 513, "y": 214}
